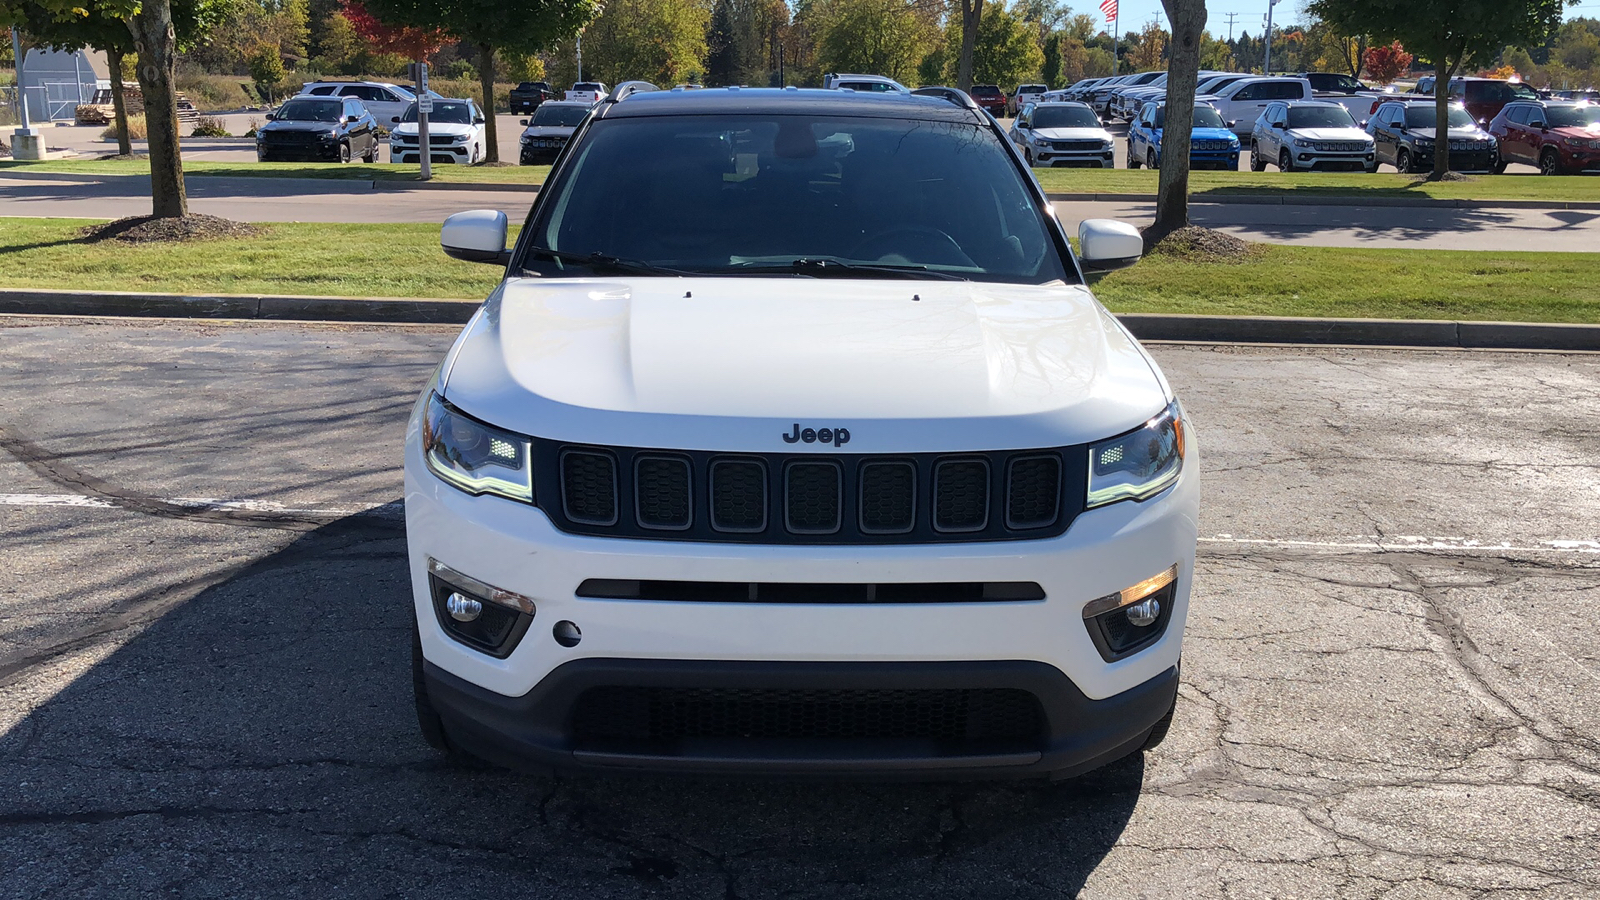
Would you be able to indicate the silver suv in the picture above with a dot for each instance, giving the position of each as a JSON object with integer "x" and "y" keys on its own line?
{"x": 1308, "y": 135}
{"x": 387, "y": 102}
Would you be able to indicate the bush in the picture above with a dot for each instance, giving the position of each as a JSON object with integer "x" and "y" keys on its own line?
{"x": 255, "y": 126}
{"x": 206, "y": 126}
{"x": 136, "y": 130}
{"x": 461, "y": 69}
{"x": 210, "y": 93}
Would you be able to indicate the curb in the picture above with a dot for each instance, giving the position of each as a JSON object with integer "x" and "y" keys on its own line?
{"x": 1285, "y": 199}
{"x": 1145, "y": 326}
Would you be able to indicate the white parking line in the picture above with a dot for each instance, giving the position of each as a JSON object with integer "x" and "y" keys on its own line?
{"x": 1367, "y": 543}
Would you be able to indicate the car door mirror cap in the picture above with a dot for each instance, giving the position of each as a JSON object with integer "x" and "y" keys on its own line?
{"x": 477, "y": 235}
{"x": 1105, "y": 245}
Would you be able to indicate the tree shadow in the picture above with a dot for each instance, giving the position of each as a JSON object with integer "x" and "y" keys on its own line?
{"x": 260, "y": 739}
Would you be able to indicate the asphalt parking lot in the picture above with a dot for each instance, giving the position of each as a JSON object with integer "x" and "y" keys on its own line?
{"x": 1389, "y": 679}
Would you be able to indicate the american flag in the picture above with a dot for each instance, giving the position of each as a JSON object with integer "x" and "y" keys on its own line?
{"x": 1109, "y": 7}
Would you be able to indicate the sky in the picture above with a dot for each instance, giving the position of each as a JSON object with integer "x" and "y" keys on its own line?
{"x": 1251, "y": 14}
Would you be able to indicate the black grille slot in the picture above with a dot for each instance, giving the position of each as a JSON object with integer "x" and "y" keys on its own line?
{"x": 961, "y": 495}
{"x": 738, "y": 495}
{"x": 952, "y": 716}
{"x": 1033, "y": 491}
{"x": 803, "y": 592}
{"x": 888, "y": 497}
{"x": 589, "y": 487}
{"x": 812, "y": 497}
{"x": 662, "y": 492}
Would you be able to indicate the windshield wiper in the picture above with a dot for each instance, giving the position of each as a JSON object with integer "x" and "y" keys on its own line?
{"x": 600, "y": 261}
{"x": 833, "y": 268}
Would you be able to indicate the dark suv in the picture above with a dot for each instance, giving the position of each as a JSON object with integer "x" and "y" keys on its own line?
{"x": 1404, "y": 134}
{"x": 990, "y": 98}
{"x": 1560, "y": 138}
{"x": 318, "y": 129}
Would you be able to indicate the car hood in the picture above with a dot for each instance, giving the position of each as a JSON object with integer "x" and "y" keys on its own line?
{"x": 732, "y": 363}
{"x": 548, "y": 131}
{"x": 434, "y": 128}
{"x": 1330, "y": 134}
{"x": 295, "y": 125}
{"x": 1572, "y": 131}
{"x": 1202, "y": 134}
{"x": 1073, "y": 134}
{"x": 1471, "y": 134}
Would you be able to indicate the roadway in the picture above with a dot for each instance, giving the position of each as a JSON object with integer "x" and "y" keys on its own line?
{"x": 313, "y": 200}
{"x": 1388, "y": 683}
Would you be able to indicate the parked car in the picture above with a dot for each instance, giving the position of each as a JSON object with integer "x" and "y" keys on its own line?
{"x": 1483, "y": 98}
{"x": 590, "y": 92}
{"x": 384, "y": 100}
{"x": 972, "y": 554}
{"x": 869, "y": 84}
{"x": 1561, "y": 138}
{"x": 1241, "y": 102}
{"x": 1310, "y": 135}
{"x": 526, "y": 97}
{"x": 1102, "y": 93}
{"x": 549, "y": 130}
{"x": 1211, "y": 143}
{"x": 1334, "y": 83}
{"x": 1214, "y": 83}
{"x": 455, "y": 134}
{"x": 1023, "y": 95}
{"x": 1405, "y": 132}
{"x": 318, "y": 129}
{"x": 990, "y": 98}
{"x": 1063, "y": 134}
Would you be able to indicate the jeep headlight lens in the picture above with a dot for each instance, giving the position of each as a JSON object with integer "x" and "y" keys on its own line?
{"x": 472, "y": 456}
{"x": 1138, "y": 464}
{"x": 1300, "y": 142}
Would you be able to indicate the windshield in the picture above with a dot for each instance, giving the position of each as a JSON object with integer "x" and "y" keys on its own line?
{"x": 550, "y": 115}
{"x": 1204, "y": 117}
{"x": 1425, "y": 117}
{"x": 1320, "y": 117}
{"x": 1499, "y": 91}
{"x": 985, "y": 90}
{"x": 871, "y": 87}
{"x": 448, "y": 112}
{"x": 1064, "y": 117}
{"x": 787, "y": 195}
{"x": 1572, "y": 116}
{"x": 310, "y": 111}
{"x": 589, "y": 86}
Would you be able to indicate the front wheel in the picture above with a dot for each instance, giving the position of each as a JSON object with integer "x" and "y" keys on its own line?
{"x": 1150, "y": 158}
{"x": 1285, "y": 164}
{"x": 1403, "y": 162}
{"x": 1133, "y": 161}
{"x": 1027, "y": 157}
{"x": 344, "y": 153}
{"x": 1549, "y": 163}
{"x": 1257, "y": 164}
{"x": 1372, "y": 169}
{"x": 1499, "y": 166}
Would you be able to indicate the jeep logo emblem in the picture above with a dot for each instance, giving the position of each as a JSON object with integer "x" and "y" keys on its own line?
{"x": 835, "y": 436}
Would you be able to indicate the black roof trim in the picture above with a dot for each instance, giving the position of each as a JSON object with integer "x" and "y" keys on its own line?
{"x": 790, "y": 101}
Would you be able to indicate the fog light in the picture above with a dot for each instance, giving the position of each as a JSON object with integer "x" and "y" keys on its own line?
{"x": 463, "y": 609}
{"x": 1133, "y": 618}
{"x": 1144, "y": 613}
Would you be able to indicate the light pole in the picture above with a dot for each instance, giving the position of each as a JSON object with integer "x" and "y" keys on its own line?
{"x": 26, "y": 142}
{"x": 1266, "y": 66}
{"x": 580, "y": 54}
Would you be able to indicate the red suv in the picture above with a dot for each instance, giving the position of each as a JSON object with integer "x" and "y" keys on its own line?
{"x": 1560, "y": 138}
{"x": 1483, "y": 97}
{"x": 991, "y": 98}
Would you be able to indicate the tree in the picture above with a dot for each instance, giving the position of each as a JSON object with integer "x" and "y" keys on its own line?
{"x": 266, "y": 70}
{"x": 1150, "y": 47}
{"x": 1451, "y": 34}
{"x": 1004, "y": 50}
{"x": 1188, "y": 19}
{"x": 489, "y": 26}
{"x": 884, "y": 37}
{"x": 1050, "y": 69}
{"x": 412, "y": 43}
{"x": 1074, "y": 60}
{"x": 1387, "y": 62}
{"x": 98, "y": 27}
{"x": 660, "y": 41}
{"x": 971, "y": 10}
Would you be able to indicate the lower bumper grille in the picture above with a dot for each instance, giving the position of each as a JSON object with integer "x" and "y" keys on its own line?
{"x": 947, "y": 715}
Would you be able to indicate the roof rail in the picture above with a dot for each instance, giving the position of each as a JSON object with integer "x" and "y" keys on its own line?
{"x": 957, "y": 97}
{"x": 628, "y": 89}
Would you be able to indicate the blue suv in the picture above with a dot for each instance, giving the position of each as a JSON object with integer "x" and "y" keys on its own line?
{"x": 1211, "y": 142}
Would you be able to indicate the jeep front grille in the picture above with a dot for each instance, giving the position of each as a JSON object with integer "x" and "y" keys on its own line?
{"x": 823, "y": 498}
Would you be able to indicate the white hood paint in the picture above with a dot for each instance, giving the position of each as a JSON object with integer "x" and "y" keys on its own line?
{"x": 435, "y": 128}
{"x": 1073, "y": 134}
{"x": 733, "y": 363}
{"x": 1354, "y": 135}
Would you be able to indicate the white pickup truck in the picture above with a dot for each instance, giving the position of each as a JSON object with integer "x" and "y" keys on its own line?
{"x": 587, "y": 92}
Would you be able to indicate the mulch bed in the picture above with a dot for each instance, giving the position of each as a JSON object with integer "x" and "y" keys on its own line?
{"x": 120, "y": 156}
{"x": 1203, "y": 245}
{"x": 151, "y": 230}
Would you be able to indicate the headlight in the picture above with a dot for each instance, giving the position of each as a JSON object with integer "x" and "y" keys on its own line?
{"x": 1138, "y": 464}
{"x": 461, "y": 138}
{"x": 1424, "y": 143}
{"x": 1040, "y": 142}
{"x": 472, "y": 456}
{"x": 1106, "y": 145}
{"x": 1233, "y": 142}
{"x": 1298, "y": 142}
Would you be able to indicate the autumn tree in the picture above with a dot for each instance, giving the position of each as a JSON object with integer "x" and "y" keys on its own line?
{"x": 410, "y": 42}
{"x": 490, "y": 26}
{"x": 1004, "y": 49}
{"x": 1387, "y": 63}
{"x": 1188, "y": 19}
{"x": 660, "y": 41}
{"x": 1453, "y": 35}
{"x": 1151, "y": 46}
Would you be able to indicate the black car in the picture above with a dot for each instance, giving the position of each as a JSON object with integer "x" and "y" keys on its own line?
{"x": 527, "y": 96}
{"x": 1404, "y": 134}
{"x": 317, "y": 129}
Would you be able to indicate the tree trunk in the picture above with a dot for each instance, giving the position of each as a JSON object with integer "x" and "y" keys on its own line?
{"x": 1441, "y": 117}
{"x": 1188, "y": 19}
{"x": 156, "y": 44}
{"x": 119, "y": 106}
{"x": 971, "y": 13}
{"x": 491, "y": 134}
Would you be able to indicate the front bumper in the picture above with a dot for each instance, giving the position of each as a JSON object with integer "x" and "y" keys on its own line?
{"x": 309, "y": 151}
{"x": 441, "y": 153}
{"x": 1335, "y": 162}
{"x": 516, "y": 707}
{"x": 1477, "y": 161}
{"x": 1104, "y": 159}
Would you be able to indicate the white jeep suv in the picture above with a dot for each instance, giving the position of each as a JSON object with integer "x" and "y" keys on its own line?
{"x": 793, "y": 441}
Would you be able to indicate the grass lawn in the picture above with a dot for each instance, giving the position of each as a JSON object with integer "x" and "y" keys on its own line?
{"x": 405, "y": 261}
{"x": 1382, "y": 184}
{"x": 354, "y": 171}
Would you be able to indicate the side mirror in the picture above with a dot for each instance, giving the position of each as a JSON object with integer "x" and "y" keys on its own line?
{"x": 479, "y": 120}
{"x": 477, "y": 235}
{"x": 270, "y": 117}
{"x": 1108, "y": 244}
{"x": 1233, "y": 123}
{"x": 1538, "y": 124}
{"x": 394, "y": 118}
{"x": 522, "y": 122}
